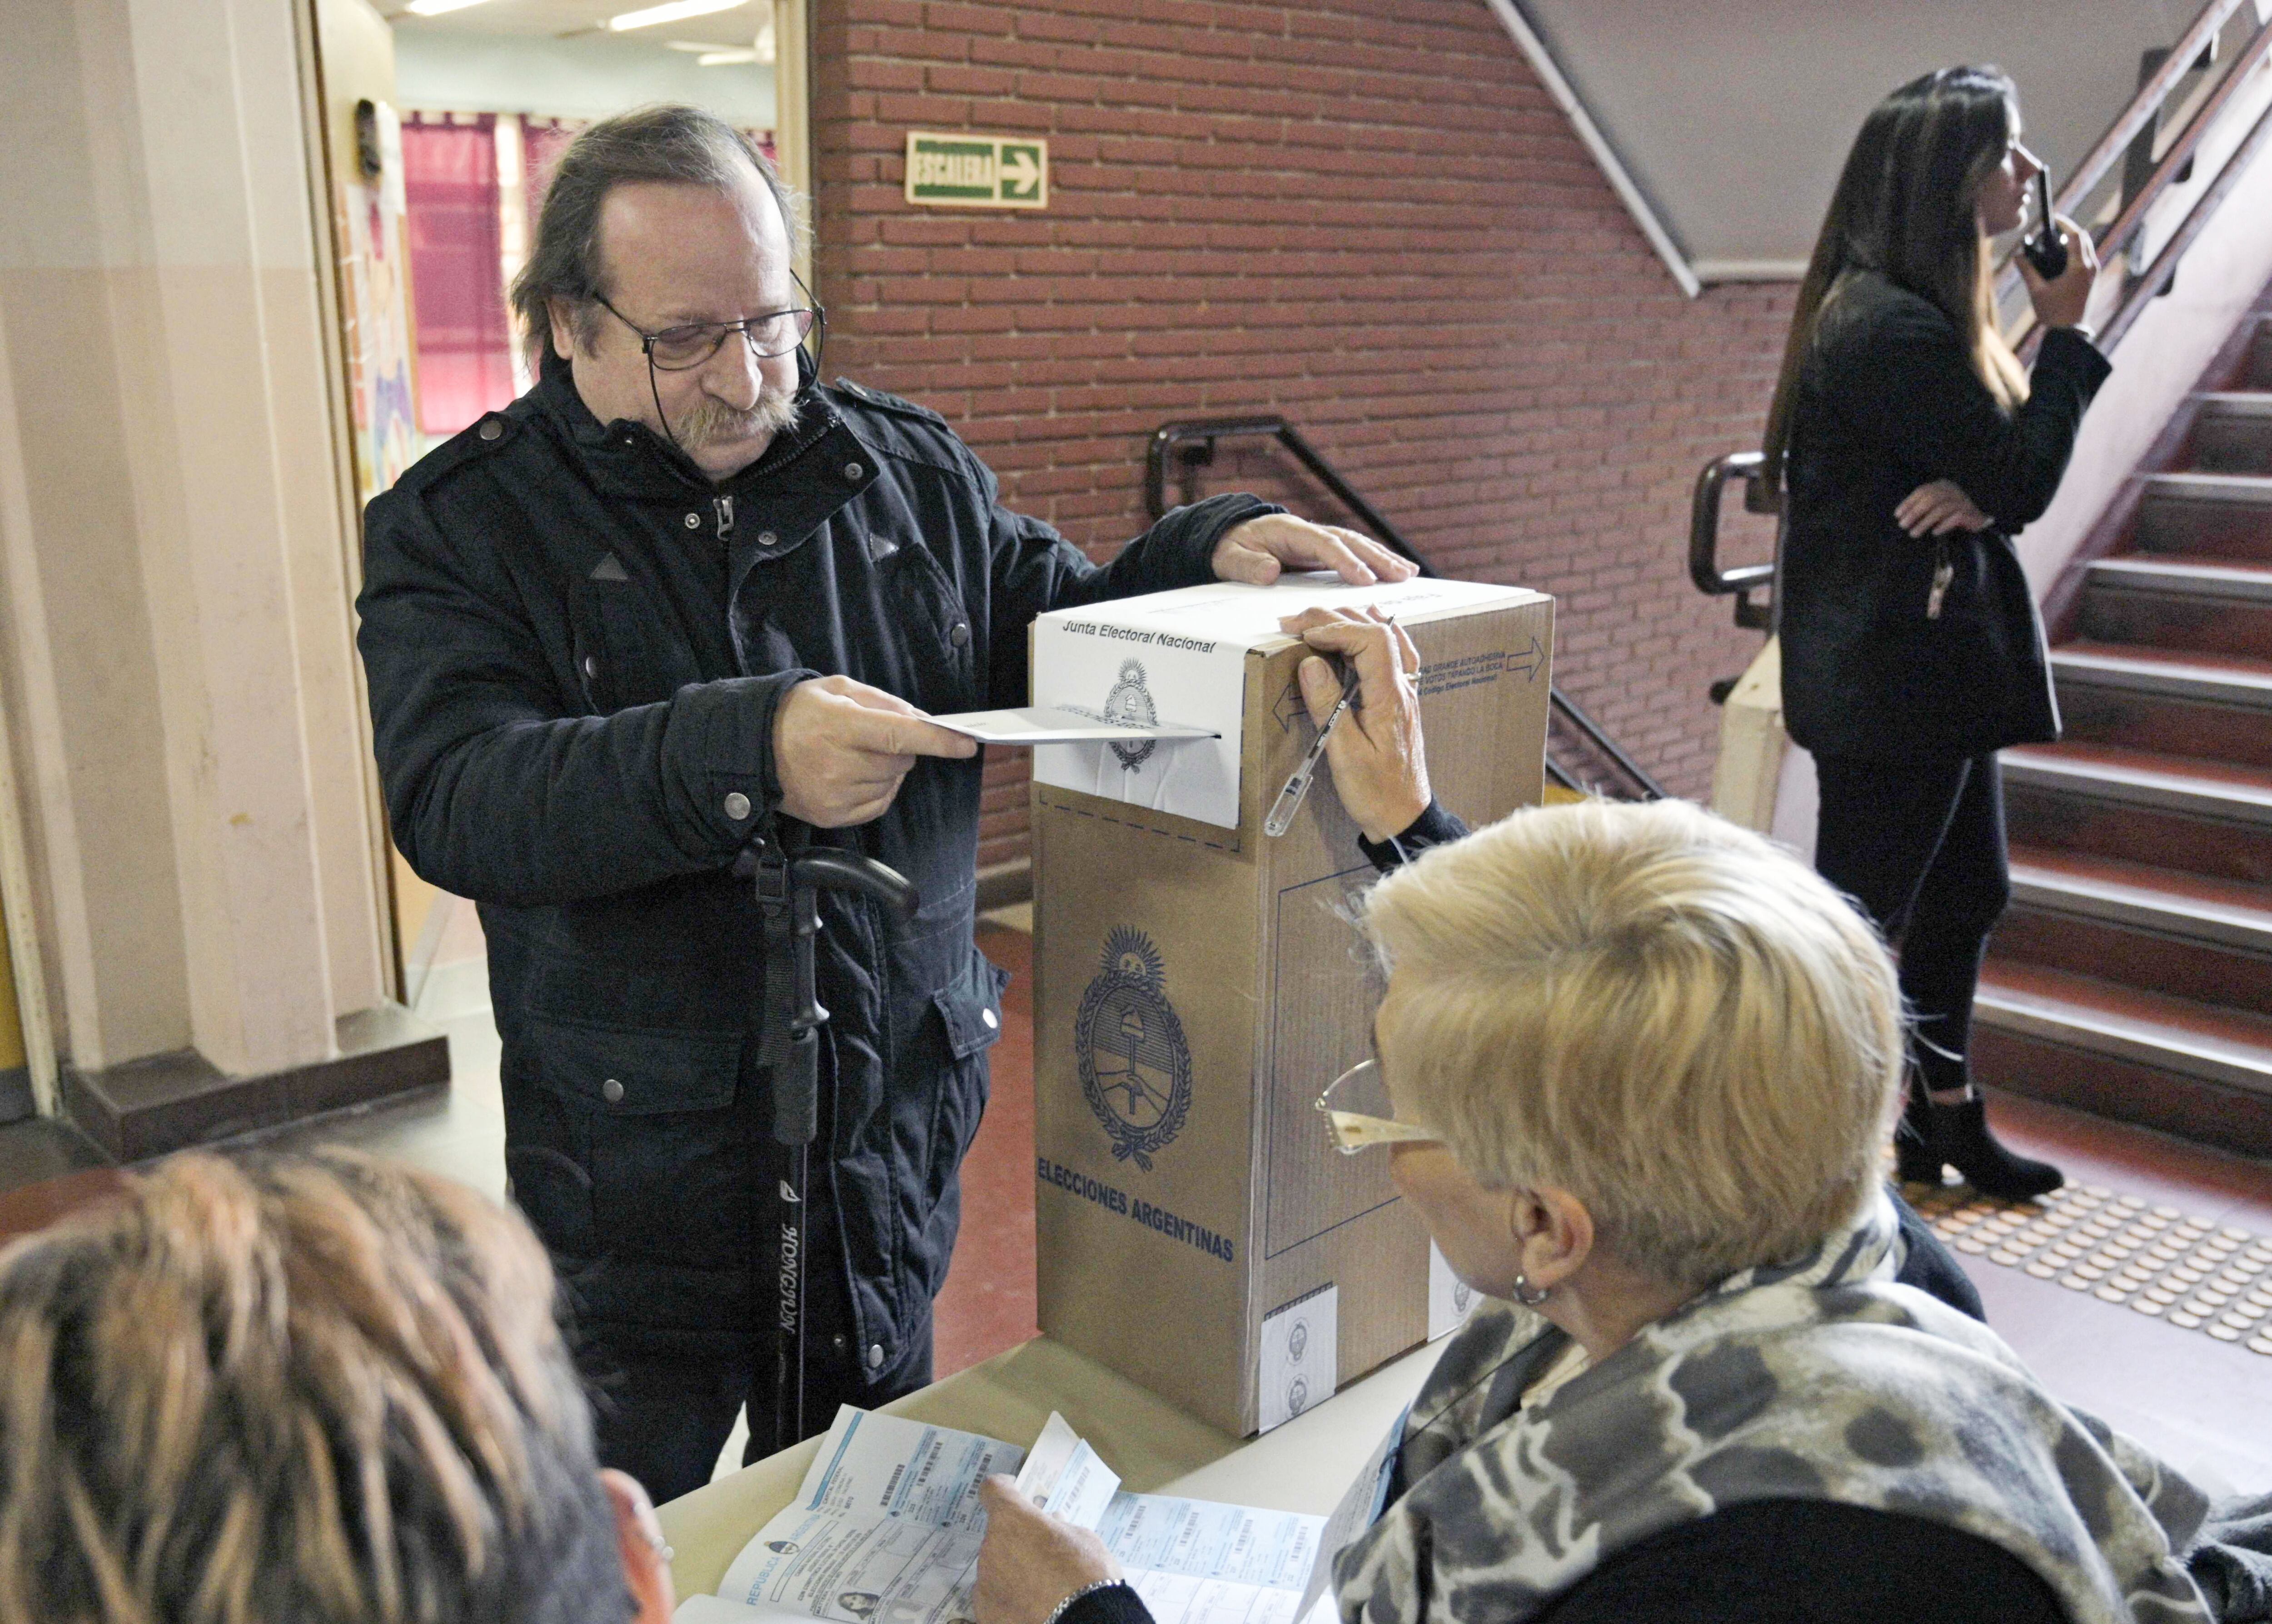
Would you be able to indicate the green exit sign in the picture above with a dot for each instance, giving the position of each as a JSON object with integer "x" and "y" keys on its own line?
{"x": 977, "y": 172}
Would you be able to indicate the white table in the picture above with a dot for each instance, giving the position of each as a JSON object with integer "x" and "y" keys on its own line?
{"x": 1302, "y": 1466}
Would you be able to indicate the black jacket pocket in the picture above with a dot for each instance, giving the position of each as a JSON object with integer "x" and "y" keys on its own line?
{"x": 631, "y": 1071}
{"x": 972, "y": 1011}
{"x": 942, "y": 649}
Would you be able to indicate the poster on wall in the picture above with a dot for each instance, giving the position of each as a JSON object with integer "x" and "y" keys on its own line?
{"x": 375, "y": 283}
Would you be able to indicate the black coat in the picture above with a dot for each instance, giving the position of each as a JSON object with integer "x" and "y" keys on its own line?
{"x": 575, "y": 645}
{"x": 1888, "y": 401}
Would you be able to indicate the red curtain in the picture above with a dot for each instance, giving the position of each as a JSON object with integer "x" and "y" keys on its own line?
{"x": 457, "y": 283}
{"x": 542, "y": 140}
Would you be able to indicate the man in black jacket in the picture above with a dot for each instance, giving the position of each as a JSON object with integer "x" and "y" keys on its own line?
{"x": 677, "y": 595}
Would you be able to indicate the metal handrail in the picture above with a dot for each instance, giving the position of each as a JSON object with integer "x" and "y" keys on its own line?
{"x": 1170, "y": 438}
{"x": 1167, "y": 437}
{"x": 2132, "y": 121}
{"x": 2147, "y": 103}
{"x": 2144, "y": 286}
{"x": 1704, "y": 536}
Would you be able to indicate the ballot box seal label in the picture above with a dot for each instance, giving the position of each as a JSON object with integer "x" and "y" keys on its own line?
{"x": 1130, "y": 703}
{"x": 1135, "y": 1065}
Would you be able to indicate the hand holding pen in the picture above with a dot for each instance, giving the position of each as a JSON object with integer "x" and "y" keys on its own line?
{"x": 1375, "y": 751}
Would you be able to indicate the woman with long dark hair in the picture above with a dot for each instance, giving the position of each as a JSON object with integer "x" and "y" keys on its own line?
{"x": 1911, "y": 445}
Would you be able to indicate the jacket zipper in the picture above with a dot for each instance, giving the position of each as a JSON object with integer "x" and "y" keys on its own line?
{"x": 725, "y": 507}
{"x": 1943, "y": 573}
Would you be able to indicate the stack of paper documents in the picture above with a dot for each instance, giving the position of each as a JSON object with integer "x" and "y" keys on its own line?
{"x": 886, "y": 1527}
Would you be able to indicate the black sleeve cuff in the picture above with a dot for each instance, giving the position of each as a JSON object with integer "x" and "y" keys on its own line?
{"x": 1434, "y": 827}
{"x": 1179, "y": 550}
{"x": 2066, "y": 350}
{"x": 721, "y": 744}
{"x": 1115, "y": 1604}
{"x": 1214, "y": 515}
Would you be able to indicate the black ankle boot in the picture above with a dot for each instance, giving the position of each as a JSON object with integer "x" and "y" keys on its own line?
{"x": 1916, "y": 1142}
{"x": 1961, "y": 1136}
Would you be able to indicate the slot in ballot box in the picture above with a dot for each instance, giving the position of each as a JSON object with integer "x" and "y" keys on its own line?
{"x": 1198, "y": 983}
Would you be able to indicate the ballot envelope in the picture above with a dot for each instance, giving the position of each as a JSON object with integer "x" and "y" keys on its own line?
{"x": 1198, "y": 983}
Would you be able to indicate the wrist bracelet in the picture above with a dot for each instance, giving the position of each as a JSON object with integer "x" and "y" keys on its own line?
{"x": 1058, "y": 1612}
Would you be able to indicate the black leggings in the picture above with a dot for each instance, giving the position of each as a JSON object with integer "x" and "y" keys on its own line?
{"x": 1920, "y": 846}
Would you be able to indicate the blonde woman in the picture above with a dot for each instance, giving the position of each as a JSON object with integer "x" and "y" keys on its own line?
{"x": 303, "y": 1392}
{"x": 1640, "y": 1064}
{"x": 1912, "y": 446}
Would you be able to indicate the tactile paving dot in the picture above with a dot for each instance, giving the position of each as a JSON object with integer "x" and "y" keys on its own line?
{"x": 2121, "y": 1249}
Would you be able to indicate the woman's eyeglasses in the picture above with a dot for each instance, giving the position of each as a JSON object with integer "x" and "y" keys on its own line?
{"x": 1357, "y": 1112}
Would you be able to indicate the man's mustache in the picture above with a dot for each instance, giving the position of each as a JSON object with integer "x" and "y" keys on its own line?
{"x": 711, "y": 421}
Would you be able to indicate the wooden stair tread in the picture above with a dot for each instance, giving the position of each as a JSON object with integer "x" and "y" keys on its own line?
{"x": 2207, "y": 574}
{"x": 2147, "y": 776}
{"x": 2229, "y": 679}
{"x": 2235, "y": 402}
{"x": 2229, "y": 912}
{"x": 2244, "y": 488}
{"x": 2196, "y": 1039}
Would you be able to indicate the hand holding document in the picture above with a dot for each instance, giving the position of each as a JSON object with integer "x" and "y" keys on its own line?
{"x": 886, "y": 1526}
{"x": 1060, "y": 724}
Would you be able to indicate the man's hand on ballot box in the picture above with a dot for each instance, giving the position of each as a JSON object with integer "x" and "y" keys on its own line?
{"x": 841, "y": 748}
{"x": 1029, "y": 1560}
{"x": 1260, "y": 550}
{"x": 1378, "y": 765}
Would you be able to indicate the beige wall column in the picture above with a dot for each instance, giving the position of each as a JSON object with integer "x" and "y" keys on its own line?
{"x": 180, "y": 672}
{"x": 793, "y": 111}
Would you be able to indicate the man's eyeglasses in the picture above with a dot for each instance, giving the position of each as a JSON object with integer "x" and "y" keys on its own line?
{"x": 682, "y": 348}
{"x": 1356, "y": 1109}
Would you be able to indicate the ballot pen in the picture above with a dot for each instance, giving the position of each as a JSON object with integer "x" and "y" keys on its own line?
{"x": 1297, "y": 788}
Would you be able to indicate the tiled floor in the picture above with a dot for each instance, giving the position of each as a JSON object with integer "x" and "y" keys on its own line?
{"x": 2205, "y": 1405}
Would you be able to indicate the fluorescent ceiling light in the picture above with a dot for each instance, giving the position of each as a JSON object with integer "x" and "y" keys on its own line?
{"x": 434, "y": 8}
{"x": 727, "y": 58}
{"x": 671, "y": 12}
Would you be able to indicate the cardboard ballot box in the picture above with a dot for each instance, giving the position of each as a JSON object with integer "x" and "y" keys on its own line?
{"x": 1198, "y": 983}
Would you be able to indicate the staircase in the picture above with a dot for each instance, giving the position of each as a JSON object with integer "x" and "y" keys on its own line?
{"x": 2133, "y": 975}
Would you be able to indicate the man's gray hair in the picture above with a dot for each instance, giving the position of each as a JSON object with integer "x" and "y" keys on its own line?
{"x": 669, "y": 142}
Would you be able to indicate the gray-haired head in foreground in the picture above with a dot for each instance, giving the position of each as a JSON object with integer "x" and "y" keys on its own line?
{"x": 668, "y": 142}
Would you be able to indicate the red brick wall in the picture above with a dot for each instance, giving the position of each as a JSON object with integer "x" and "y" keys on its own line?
{"x": 1369, "y": 217}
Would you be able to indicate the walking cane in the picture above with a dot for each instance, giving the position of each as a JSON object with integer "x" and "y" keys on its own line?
{"x": 789, "y": 886}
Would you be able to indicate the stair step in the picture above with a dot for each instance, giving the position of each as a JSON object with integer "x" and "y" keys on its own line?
{"x": 2141, "y": 896}
{"x": 2192, "y": 575}
{"x": 2211, "y": 818}
{"x": 2181, "y": 601}
{"x": 2215, "y": 706}
{"x": 2146, "y": 778}
{"x": 2232, "y": 432}
{"x": 2212, "y": 679}
{"x": 2170, "y": 1034}
{"x": 2256, "y": 371}
{"x": 2227, "y": 514}
{"x": 2241, "y": 403}
{"x": 2141, "y": 926}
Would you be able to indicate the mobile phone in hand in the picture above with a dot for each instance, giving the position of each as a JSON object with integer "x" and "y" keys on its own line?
{"x": 2045, "y": 249}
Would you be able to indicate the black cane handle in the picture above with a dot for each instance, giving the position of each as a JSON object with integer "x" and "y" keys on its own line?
{"x": 822, "y": 869}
